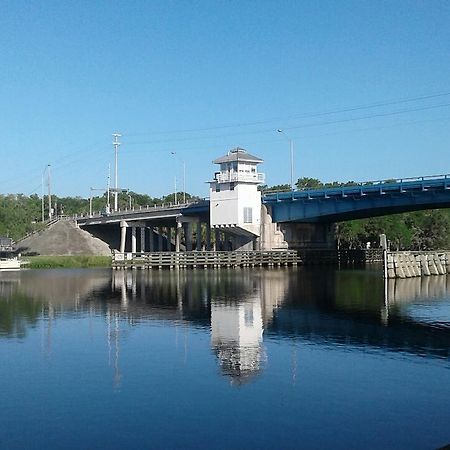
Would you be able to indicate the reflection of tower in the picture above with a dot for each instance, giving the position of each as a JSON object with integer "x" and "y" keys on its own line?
{"x": 236, "y": 337}
{"x": 114, "y": 340}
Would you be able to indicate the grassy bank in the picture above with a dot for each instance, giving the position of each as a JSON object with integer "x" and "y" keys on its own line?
{"x": 56, "y": 262}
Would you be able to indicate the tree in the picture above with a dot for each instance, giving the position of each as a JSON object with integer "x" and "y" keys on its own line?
{"x": 308, "y": 183}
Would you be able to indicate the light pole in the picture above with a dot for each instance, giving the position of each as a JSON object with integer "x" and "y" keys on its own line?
{"x": 291, "y": 149}
{"x": 183, "y": 163}
{"x": 90, "y": 199}
{"x": 43, "y": 195}
{"x": 176, "y": 196}
{"x": 49, "y": 184}
{"x": 116, "y": 145}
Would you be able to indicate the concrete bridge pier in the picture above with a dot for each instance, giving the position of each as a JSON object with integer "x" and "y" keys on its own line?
{"x": 188, "y": 235}
{"x": 199, "y": 235}
{"x": 142, "y": 239}
{"x": 160, "y": 239}
{"x": 309, "y": 236}
{"x": 178, "y": 232}
{"x": 123, "y": 235}
{"x": 208, "y": 237}
{"x": 133, "y": 240}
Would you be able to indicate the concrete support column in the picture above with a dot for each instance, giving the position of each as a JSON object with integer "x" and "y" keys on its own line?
{"x": 160, "y": 239}
{"x": 188, "y": 235}
{"x": 217, "y": 239}
{"x": 142, "y": 239}
{"x": 151, "y": 240}
{"x": 170, "y": 234}
{"x": 208, "y": 237}
{"x": 133, "y": 240}
{"x": 178, "y": 236}
{"x": 199, "y": 235}
{"x": 123, "y": 236}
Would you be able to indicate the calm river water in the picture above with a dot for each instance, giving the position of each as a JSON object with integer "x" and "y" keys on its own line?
{"x": 238, "y": 358}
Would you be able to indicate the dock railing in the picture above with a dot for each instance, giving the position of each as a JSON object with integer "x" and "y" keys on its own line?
{"x": 203, "y": 259}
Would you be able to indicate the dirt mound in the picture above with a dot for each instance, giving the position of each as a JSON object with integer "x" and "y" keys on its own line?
{"x": 63, "y": 238}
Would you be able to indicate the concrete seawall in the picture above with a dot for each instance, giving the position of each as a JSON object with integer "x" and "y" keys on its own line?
{"x": 416, "y": 264}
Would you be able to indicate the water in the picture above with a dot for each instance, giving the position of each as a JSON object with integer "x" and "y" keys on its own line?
{"x": 245, "y": 358}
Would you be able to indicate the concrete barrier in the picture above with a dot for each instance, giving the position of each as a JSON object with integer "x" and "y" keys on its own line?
{"x": 416, "y": 264}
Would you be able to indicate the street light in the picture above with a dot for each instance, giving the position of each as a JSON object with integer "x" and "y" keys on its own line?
{"x": 184, "y": 177}
{"x": 90, "y": 198}
{"x": 291, "y": 147}
{"x": 116, "y": 145}
{"x": 43, "y": 193}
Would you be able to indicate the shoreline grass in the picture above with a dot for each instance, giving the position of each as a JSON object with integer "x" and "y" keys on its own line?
{"x": 66, "y": 262}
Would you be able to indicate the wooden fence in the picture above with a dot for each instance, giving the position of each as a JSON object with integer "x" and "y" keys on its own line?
{"x": 199, "y": 259}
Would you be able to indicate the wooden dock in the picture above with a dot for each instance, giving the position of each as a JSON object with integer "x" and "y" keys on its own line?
{"x": 203, "y": 260}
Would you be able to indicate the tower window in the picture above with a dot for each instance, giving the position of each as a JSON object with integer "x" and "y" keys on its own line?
{"x": 248, "y": 213}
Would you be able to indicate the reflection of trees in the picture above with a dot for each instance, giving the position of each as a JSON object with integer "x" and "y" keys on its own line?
{"x": 347, "y": 307}
{"x": 17, "y": 313}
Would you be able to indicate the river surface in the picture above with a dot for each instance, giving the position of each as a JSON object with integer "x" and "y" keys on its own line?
{"x": 231, "y": 359}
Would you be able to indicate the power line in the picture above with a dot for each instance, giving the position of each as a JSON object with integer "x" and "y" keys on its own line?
{"x": 296, "y": 116}
{"x": 271, "y": 130}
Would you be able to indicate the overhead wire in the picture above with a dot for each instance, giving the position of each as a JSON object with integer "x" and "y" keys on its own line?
{"x": 295, "y": 116}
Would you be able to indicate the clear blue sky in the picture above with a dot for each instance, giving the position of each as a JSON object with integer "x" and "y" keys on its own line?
{"x": 230, "y": 72}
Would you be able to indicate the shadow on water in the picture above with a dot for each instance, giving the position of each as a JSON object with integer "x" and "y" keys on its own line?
{"x": 240, "y": 306}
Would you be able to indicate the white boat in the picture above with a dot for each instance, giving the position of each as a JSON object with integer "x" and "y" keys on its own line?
{"x": 11, "y": 263}
{"x": 8, "y": 259}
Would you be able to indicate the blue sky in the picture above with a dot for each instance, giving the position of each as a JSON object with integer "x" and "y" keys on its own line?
{"x": 363, "y": 88}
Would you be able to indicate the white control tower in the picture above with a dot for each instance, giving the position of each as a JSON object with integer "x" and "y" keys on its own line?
{"x": 234, "y": 196}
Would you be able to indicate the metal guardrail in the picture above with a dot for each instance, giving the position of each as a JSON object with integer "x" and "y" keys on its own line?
{"x": 143, "y": 209}
{"x": 193, "y": 259}
{"x": 379, "y": 187}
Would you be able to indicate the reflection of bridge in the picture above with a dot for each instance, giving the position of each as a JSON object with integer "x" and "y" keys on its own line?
{"x": 331, "y": 308}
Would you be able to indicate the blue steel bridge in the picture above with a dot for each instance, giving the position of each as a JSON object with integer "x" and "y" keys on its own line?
{"x": 369, "y": 199}
{"x": 305, "y": 216}
{"x": 325, "y": 205}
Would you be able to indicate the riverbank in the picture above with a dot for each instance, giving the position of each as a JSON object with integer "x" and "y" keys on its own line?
{"x": 68, "y": 262}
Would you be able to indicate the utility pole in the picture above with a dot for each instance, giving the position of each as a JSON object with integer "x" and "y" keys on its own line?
{"x": 42, "y": 199}
{"x": 49, "y": 184}
{"x": 291, "y": 149}
{"x": 176, "y": 198}
{"x": 184, "y": 175}
{"x": 90, "y": 202}
{"x": 184, "y": 182}
{"x": 116, "y": 145}
{"x": 108, "y": 203}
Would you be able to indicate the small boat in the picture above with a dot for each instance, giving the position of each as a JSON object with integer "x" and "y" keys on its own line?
{"x": 9, "y": 260}
{"x": 9, "y": 263}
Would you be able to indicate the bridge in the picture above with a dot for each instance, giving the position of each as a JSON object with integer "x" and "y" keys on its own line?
{"x": 241, "y": 218}
{"x": 369, "y": 199}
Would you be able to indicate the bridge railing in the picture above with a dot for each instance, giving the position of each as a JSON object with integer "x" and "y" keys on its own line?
{"x": 363, "y": 188}
{"x": 147, "y": 208}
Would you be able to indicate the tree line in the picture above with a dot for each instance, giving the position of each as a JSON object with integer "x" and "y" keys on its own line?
{"x": 421, "y": 230}
{"x": 21, "y": 214}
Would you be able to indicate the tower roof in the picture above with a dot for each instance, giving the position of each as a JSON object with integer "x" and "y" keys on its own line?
{"x": 238, "y": 154}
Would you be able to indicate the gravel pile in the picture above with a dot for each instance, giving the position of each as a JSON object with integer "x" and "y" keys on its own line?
{"x": 63, "y": 238}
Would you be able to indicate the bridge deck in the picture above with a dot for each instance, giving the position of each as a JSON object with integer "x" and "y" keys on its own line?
{"x": 382, "y": 187}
